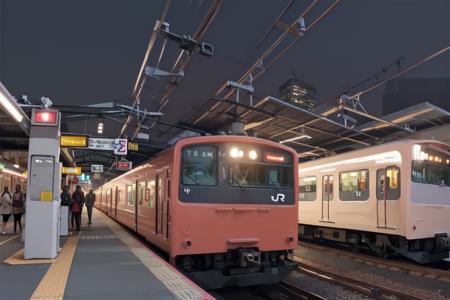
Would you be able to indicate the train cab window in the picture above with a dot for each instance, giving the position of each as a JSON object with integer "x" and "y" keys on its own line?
{"x": 308, "y": 188}
{"x": 131, "y": 194}
{"x": 244, "y": 174}
{"x": 199, "y": 165}
{"x": 354, "y": 185}
{"x": 431, "y": 168}
{"x": 388, "y": 183}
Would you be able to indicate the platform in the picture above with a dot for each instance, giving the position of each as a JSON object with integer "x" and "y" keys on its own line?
{"x": 103, "y": 261}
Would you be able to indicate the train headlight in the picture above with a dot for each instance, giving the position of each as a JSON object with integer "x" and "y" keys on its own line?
{"x": 236, "y": 153}
{"x": 253, "y": 155}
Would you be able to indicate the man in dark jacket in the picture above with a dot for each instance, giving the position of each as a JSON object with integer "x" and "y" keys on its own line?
{"x": 90, "y": 200}
{"x": 77, "y": 206}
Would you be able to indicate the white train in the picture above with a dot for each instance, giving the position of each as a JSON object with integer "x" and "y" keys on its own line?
{"x": 392, "y": 198}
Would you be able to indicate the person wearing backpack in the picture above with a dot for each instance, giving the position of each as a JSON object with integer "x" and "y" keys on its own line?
{"x": 77, "y": 205}
{"x": 5, "y": 208}
{"x": 18, "y": 208}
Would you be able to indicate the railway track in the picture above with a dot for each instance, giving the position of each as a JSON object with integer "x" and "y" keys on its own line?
{"x": 368, "y": 289}
{"x": 400, "y": 266}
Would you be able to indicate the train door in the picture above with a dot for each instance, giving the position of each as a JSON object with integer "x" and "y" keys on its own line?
{"x": 136, "y": 204}
{"x": 388, "y": 194}
{"x": 110, "y": 202}
{"x": 165, "y": 213}
{"x": 327, "y": 196}
{"x": 160, "y": 197}
{"x": 116, "y": 198}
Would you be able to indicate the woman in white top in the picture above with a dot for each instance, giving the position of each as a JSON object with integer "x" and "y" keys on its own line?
{"x": 5, "y": 208}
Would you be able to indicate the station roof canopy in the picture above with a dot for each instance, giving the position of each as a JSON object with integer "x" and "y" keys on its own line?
{"x": 338, "y": 128}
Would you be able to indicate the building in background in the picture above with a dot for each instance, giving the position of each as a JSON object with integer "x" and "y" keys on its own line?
{"x": 401, "y": 93}
{"x": 298, "y": 92}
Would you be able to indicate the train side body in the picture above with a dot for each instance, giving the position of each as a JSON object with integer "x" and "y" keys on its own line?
{"x": 412, "y": 219}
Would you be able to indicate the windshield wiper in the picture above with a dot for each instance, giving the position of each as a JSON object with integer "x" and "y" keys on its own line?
{"x": 192, "y": 178}
{"x": 238, "y": 184}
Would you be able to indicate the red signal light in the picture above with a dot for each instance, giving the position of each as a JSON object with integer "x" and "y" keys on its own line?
{"x": 45, "y": 117}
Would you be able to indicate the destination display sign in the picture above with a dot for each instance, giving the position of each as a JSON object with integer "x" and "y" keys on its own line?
{"x": 74, "y": 141}
{"x": 198, "y": 154}
{"x": 124, "y": 165}
{"x": 71, "y": 170}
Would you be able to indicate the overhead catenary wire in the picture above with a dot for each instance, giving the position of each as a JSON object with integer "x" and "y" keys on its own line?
{"x": 268, "y": 52}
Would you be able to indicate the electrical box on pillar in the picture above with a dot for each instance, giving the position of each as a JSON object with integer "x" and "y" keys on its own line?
{"x": 43, "y": 186}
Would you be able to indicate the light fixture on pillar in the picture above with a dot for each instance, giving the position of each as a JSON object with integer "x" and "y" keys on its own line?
{"x": 9, "y": 104}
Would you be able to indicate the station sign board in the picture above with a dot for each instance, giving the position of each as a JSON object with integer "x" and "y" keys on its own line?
{"x": 124, "y": 165}
{"x": 119, "y": 146}
{"x": 133, "y": 146}
{"x": 71, "y": 171}
{"x": 74, "y": 141}
{"x": 101, "y": 144}
{"x": 96, "y": 168}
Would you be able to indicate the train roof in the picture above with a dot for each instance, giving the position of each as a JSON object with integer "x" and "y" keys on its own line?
{"x": 362, "y": 151}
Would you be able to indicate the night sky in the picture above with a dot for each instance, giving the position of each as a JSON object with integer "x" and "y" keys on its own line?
{"x": 82, "y": 52}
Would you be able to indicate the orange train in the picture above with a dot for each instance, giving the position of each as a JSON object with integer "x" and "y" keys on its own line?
{"x": 224, "y": 208}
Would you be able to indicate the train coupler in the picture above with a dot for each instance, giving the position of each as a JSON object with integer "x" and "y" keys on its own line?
{"x": 249, "y": 258}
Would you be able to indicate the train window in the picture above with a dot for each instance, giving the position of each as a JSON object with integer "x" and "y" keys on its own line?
{"x": 308, "y": 188}
{"x": 388, "y": 183}
{"x": 199, "y": 165}
{"x": 244, "y": 174}
{"x": 354, "y": 185}
{"x": 434, "y": 168}
{"x": 131, "y": 194}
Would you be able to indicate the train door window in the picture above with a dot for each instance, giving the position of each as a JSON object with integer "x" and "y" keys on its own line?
{"x": 168, "y": 188}
{"x": 354, "y": 185}
{"x": 141, "y": 192}
{"x": 388, "y": 183}
{"x": 308, "y": 188}
{"x": 150, "y": 193}
{"x": 131, "y": 194}
{"x": 327, "y": 187}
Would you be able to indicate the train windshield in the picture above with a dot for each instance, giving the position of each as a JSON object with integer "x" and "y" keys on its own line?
{"x": 199, "y": 165}
{"x": 244, "y": 174}
{"x": 430, "y": 167}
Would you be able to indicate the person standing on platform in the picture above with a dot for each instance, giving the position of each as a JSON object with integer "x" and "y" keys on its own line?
{"x": 66, "y": 200}
{"x": 77, "y": 206}
{"x": 18, "y": 207}
{"x": 5, "y": 208}
{"x": 90, "y": 200}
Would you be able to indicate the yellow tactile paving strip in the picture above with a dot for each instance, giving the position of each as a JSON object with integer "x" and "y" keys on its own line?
{"x": 18, "y": 259}
{"x": 53, "y": 284}
{"x": 178, "y": 285}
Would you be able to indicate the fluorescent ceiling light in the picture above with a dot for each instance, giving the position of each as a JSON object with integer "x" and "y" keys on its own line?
{"x": 6, "y": 101}
{"x": 303, "y": 136}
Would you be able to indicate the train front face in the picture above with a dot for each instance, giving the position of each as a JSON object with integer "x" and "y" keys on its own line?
{"x": 428, "y": 225}
{"x": 236, "y": 216}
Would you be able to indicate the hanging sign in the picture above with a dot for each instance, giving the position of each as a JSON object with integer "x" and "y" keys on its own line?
{"x": 96, "y": 168}
{"x": 101, "y": 144}
{"x": 124, "y": 165}
{"x": 133, "y": 146}
{"x": 71, "y": 171}
{"x": 120, "y": 146}
{"x": 73, "y": 141}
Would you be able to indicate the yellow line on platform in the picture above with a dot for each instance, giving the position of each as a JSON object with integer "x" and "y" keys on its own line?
{"x": 18, "y": 259}
{"x": 11, "y": 238}
{"x": 53, "y": 284}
